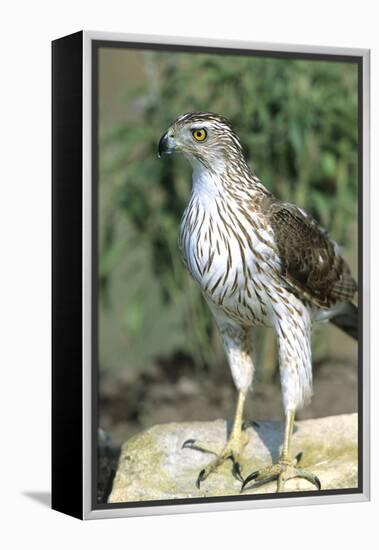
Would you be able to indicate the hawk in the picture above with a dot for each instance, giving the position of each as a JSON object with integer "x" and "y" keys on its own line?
{"x": 258, "y": 261}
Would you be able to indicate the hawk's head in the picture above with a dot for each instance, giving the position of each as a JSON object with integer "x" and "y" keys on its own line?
{"x": 204, "y": 138}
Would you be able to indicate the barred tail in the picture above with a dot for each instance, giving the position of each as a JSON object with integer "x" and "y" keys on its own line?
{"x": 347, "y": 319}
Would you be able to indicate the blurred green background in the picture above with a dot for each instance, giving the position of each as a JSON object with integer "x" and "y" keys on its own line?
{"x": 159, "y": 354}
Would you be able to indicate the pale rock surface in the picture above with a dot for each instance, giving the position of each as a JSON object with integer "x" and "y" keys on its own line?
{"x": 153, "y": 465}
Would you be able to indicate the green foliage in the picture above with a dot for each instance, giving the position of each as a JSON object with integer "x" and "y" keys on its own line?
{"x": 297, "y": 120}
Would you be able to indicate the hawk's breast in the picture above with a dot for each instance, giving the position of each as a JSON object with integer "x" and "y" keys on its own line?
{"x": 232, "y": 257}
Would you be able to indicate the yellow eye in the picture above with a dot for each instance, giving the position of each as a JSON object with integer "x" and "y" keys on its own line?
{"x": 199, "y": 134}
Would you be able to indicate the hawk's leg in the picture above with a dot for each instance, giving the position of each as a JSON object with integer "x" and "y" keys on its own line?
{"x": 232, "y": 450}
{"x": 286, "y": 468}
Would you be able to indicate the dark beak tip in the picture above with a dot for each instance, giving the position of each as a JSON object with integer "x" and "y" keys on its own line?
{"x": 162, "y": 146}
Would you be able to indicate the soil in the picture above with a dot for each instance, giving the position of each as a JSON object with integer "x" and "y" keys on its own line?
{"x": 171, "y": 390}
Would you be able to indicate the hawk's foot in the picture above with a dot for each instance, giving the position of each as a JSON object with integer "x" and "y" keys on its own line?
{"x": 282, "y": 471}
{"x": 231, "y": 451}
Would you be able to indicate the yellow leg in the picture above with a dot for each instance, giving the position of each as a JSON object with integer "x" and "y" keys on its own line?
{"x": 287, "y": 451}
{"x": 238, "y": 417}
{"x": 232, "y": 450}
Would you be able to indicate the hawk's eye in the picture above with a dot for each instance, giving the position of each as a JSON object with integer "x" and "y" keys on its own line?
{"x": 199, "y": 134}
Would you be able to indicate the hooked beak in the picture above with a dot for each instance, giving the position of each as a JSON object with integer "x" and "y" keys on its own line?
{"x": 166, "y": 145}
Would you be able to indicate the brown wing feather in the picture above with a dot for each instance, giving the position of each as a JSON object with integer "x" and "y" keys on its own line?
{"x": 311, "y": 263}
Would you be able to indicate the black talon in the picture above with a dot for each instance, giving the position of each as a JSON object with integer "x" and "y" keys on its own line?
{"x": 191, "y": 444}
{"x": 263, "y": 481}
{"x": 318, "y": 483}
{"x": 188, "y": 443}
{"x": 236, "y": 471}
{"x": 249, "y": 478}
{"x": 200, "y": 478}
{"x": 298, "y": 457}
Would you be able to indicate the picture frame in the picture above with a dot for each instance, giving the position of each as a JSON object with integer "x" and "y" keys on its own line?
{"x": 75, "y": 208}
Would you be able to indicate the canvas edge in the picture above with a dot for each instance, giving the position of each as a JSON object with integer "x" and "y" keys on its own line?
{"x": 366, "y": 269}
{"x": 88, "y": 511}
{"x": 66, "y": 292}
{"x": 87, "y": 277}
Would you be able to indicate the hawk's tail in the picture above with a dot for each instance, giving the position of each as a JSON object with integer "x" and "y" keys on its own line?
{"x": 347, "y": 319}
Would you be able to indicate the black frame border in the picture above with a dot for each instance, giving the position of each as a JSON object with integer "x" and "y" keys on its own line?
{"x": 67, "y": 257}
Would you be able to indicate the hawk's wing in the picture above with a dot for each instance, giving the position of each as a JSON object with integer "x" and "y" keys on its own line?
{"x": 311, "y": 263}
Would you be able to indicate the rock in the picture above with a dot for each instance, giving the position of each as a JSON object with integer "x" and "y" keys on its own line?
{"x": 153, "y": 465}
